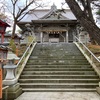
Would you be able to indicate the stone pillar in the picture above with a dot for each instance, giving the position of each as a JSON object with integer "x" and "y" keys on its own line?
{"x": 98, "y": 88}
{"x": 41, "y": 37}
{"x": 67, "y": 36}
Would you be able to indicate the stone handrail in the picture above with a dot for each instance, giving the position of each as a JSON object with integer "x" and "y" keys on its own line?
{"x": 5, "y": 88}
{"x": 93, "y": 60}
{"x": 22, "y": 62}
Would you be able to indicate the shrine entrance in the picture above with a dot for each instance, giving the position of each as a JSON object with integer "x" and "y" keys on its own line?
{"x": 54, "y": 37}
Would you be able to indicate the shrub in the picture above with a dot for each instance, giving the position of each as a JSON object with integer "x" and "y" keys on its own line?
{"x": 13, "y": 45}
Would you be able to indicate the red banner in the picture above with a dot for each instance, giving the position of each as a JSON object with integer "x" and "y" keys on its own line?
{"x": 0, "y": 83}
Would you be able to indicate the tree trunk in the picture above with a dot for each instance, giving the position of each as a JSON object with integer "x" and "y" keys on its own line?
{"x": 14, "y": 29}
{"x": 84, "y": 20}
{"x": 90, "y": 10}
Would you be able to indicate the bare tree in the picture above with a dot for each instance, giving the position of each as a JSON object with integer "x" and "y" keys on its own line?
{"x": 19, "y": 9}
{"x": 2, "y": 11}
{"x": 97, "y": 7}
{"x": 88, "y": 10}
{"x": 85, "y": 20}
{"x": 2, "y": 16}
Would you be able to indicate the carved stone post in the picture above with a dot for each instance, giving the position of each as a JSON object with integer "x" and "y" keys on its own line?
{"x": 41, "y": 37}
{"x": 67, "y": 36}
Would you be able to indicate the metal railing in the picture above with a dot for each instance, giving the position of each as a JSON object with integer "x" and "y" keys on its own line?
{"x": 22, "y": 62}
{"x": 93, "y": 60}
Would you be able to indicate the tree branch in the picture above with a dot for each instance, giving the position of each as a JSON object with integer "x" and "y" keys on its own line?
{"x": 25, "y": 8}
{"x": 25, "y": 13}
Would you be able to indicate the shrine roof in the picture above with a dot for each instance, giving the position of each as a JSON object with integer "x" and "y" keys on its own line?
{"x": 52, "y": 15}
{"x": 41, "y": 14}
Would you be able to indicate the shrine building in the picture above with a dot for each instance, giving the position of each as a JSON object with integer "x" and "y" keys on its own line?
{"x": 51, "y": 25}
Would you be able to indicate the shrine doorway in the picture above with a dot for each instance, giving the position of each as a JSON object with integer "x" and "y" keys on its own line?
{"x": 53, "y": 37}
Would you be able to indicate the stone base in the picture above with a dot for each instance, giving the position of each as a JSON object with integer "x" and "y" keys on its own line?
{"x": 13, "y": 92}
{"x": 98, "y": 89}
{"x": 10, "y": 82}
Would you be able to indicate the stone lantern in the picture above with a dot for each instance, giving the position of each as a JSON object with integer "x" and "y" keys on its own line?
{"x": 10, "y": 80}
{"x": 3, "y": 57}
{"x": 10, "y": 69}
{"x": 29, "y": 29}
{"x": 83, "y": 36}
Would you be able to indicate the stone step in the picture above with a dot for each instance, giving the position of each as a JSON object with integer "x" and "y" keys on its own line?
{"x": 58, "y": 63}
{"x": 54, "y": 49}
{"x": 57, "y": 58}
{"x": 55, "y": 55}
{"x": 59, "y": 76}
{"x": 59, "y": 90}
{"x": 58, "y": 69}
{"x": 59, "y": 72}
{"x": 59, "y": 80}
{"x": 57, "y": 66}
{"x": 58, "y": 85}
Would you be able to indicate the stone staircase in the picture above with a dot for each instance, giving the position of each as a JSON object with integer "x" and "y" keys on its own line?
{"x": 58, "y": 67}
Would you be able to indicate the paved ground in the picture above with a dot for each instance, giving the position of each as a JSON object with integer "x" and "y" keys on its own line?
{"x": 59, "y": 96}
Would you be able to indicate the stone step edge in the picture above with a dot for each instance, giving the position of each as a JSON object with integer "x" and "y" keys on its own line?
{"x": 58, "y": 68}
{"x": 49, "y": 58}
{"x": 57, "y": 71}
{"x": 62, "y": 79}
{"x": 59, "y": 84}
{"x": 63, "y": 65}
{"x": 63, "y": 75}
{"x": 59, "y": 90}
{"x": 60, "y": 64}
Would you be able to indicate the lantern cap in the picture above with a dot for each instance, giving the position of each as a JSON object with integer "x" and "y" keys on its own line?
{"x": 12, "y": 56}
{"x": 2, "y": 47}
{"x": 5, "y": 43}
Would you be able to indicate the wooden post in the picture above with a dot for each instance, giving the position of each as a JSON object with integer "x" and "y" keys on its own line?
{"x": 2, "y": 37}
{"x": 41, "y": 37}
{"x": 0, "y": 82}
{"x": 67, "y": 36}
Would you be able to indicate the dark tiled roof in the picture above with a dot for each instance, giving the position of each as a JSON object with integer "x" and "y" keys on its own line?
{"x": 38, "y": 14}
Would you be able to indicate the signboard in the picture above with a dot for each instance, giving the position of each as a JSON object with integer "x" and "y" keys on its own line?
{"x": 0, "y": 83}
